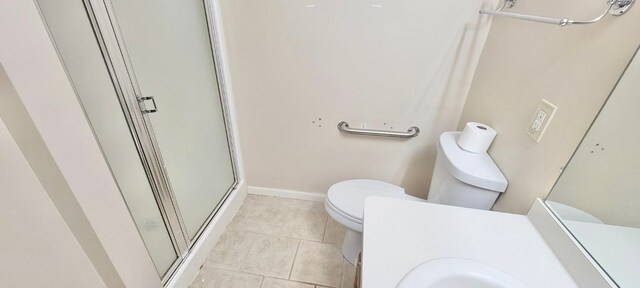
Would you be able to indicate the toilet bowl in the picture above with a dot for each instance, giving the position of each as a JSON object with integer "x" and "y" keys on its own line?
{"x": 345, "y": 204}
{"x": 460, "y": 178}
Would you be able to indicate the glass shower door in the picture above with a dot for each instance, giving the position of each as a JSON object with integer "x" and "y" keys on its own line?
{"x": 161, "y": 60}
{"x": 71, "y": 31}
{"x": 172, "y": 164}
{"x": 170, "y": 50}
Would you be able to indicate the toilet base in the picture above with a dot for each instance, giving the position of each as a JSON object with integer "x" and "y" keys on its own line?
{"x": 352, "y": 246}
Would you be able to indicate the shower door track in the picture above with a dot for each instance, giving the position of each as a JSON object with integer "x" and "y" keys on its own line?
{"x": 110, "y": 40}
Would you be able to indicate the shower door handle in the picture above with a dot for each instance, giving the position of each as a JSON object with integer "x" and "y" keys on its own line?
{"x": 143, "y": 107}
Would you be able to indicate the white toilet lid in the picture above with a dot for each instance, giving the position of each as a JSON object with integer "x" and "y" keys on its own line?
{"x": 348, "y": 196}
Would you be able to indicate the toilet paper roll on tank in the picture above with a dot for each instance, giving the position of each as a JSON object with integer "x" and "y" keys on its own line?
{"x": 476, "y": 137}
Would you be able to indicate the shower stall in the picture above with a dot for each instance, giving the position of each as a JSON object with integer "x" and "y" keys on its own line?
{"x": 147, "y": 73}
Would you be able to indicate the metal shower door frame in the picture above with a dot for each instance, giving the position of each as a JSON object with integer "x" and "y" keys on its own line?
{"x": 112, "y": 45}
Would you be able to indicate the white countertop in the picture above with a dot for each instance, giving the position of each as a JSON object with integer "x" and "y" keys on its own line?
{"x": 401, "y": 234}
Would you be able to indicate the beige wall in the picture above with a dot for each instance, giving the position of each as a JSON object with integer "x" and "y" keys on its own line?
{"x": 300, "y": 67}
{"x": 602, "y": 177}
{"x": 574, "y": 68}
{"x": 37, "y": 247}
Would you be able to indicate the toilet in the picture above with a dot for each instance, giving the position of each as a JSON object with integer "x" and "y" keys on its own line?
{"x": 460, "y": 178}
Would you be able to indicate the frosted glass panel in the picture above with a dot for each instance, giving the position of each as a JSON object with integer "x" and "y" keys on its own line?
{"x": 76, "y": 43}
{"x": 169, "y": 47}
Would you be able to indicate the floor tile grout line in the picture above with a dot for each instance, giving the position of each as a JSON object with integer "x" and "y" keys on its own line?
{"x": 264, "y": 277}
{"x": 246, "y": 254}
{"x": 298, "y": 282}
{"x": 279, "y": 234}
{"x": 295, "y": 257}
{"x": 342, "y": 272}
{"x": 320, "y": 284}
{"x": 310, "y": 283}
{"x": 239, "y": 272}
{"x": 249, "y": 273}
{"x": 261, "y": 282}
{"x": 326, "y": 225}
{"x": 253, "y": 243}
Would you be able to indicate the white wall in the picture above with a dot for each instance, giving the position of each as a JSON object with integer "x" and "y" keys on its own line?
{"x": 573, "y": 67}
{"x": 602, "y": 177}
{"x": 300, "y": 67}
{"x": 37, "y": 247}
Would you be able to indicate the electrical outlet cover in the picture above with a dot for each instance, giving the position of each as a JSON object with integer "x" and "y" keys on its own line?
{"x": 548, "y": 110}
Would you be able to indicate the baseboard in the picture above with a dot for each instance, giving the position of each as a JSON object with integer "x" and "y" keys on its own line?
{"x": 189, "y": 269}
{"x": 286, "y": 193}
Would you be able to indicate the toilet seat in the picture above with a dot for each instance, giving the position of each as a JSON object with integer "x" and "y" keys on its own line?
{"x": 345, "y": 200}
{"x": 349, "y": 222}
{"x": 345, "y": 204}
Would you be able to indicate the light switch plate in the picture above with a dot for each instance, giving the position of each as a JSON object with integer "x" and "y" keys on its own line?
{"x": 541, "y": 119}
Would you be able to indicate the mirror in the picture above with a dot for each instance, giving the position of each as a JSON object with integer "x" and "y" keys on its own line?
{"x": 597, "y": 197}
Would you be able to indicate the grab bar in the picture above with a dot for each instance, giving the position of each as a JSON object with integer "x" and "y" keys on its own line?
{"x": 413, "y": 131}
{"x": 614, "y": 7}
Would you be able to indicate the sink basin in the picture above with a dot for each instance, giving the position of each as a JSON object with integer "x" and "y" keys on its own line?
{"x": 457, "y": 273}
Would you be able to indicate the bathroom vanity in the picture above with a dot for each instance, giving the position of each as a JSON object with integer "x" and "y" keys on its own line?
{"x": 585, "y": 234}
{"x": 400, "y": 235}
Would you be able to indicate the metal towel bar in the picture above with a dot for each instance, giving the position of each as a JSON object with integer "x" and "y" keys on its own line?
{"x": 413, "y": 131}
{"x": 614, "y": 7}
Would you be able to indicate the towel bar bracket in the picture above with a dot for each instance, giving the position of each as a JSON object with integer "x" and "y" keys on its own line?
{"x": 620, "y": 7}
{"x": 508, "y": 4}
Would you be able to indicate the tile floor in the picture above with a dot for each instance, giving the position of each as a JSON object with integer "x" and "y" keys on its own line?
{"x": 278, "y": 243}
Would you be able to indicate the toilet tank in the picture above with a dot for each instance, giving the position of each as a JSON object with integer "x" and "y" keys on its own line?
{"x": 462, "y": 178}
